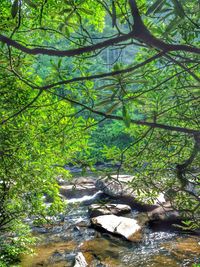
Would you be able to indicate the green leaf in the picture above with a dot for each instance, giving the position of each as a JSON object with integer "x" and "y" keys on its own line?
{"x": 103, "y": 102}
{"x": 15, "y": 8}
{"x": 155, "y": 7}
{"x": 59, "y": 63}
{"x": 86, "y": 11}
{"x": 60, "y": 27}
{"x": 66, "y": 10}
{"x": 139, "y": 81}
{"x": 188, "y": 222}
{"x": 113, "y": 95}
{"x": 67, "y": 32}
{"x": 126, "y": 116}
{"x": 108, "y": 86}
{"x": 84, "y": 170}
{"x": 117, "y": 67}
{"x": 30, "y": 3}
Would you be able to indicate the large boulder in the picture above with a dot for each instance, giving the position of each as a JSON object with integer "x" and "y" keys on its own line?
{"x": 115, "y": 186}
{"x": 126, "y": 227}
{"x": 105, "y": 209}
{"x": 118, "y": 187}
{"x": 120, "y": 190}
{"x": 164, "y": 217}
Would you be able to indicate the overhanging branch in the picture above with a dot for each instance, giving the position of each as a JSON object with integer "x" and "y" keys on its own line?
{"x": 137, "y": 122}
{"x": 103, "y": 75}
{"x": 139, "y": 32}
{"x": 64, "y": 53}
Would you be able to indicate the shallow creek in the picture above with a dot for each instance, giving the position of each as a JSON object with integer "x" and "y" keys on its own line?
{"x": 59, "y": 244}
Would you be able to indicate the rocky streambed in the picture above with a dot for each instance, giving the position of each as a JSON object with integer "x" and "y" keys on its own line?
{"x": 103, "y": 226}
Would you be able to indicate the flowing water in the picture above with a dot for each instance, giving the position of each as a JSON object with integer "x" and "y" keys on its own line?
{"x": 72, "y": 233}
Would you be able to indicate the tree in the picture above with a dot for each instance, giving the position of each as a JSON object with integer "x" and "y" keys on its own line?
{"x": 33, "y": 146}
{"x": 56, "y": 49}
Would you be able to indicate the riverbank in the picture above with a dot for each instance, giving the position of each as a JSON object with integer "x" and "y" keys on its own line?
{"x": 72, "y": 233}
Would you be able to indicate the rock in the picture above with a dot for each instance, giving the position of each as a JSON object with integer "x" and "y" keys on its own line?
{"x": 163, "y": 260}
{"x": 116, "y": 209}
{"x": 61, "y": 180}
{"x": 160, "y": 199}
{"x": 164, "y": 213}
{"x": 83, "y": 224}
{"x": 161, "y": 218}
{"x": 78, "y": 189}
{"x": 126, "y": 227}
{"x": 99, "y": 248}
{"x": 80, "y": 260}
{"x": 48, "y": 254}
{"x": 184, "y": 247}
{"x": 118, "y": 187}
{"x": 73, "y": 169}
{"x": 108, "y": 262}
{"x": 115, "y": 185}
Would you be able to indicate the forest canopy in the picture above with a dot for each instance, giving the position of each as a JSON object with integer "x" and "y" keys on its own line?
{"x": 84, "y": 81}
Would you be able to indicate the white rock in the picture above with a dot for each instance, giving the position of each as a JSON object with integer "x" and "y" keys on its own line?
{"x": 118, "y": 225}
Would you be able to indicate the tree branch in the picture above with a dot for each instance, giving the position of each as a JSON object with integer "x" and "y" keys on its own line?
{"x": 137, "y": 122}
{"x": 139, "y": 32}
{"x": 103, "y": 75}
{"x": 65, "y": 53}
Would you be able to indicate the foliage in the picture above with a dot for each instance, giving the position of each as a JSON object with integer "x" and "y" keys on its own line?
{"x": 33, "y": 145}
{"x": 12, "y": 246}
{"x": 108, "y": 135}
{"x": 68, "y": 65}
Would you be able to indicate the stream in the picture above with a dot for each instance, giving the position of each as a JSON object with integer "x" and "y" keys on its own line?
{"x": 71, "y": 233}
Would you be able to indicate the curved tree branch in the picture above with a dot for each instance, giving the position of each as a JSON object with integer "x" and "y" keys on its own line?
{"x": 87, "y": 78}
{"x": 64, "y": 53}
{"x": 139, "y": 32}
